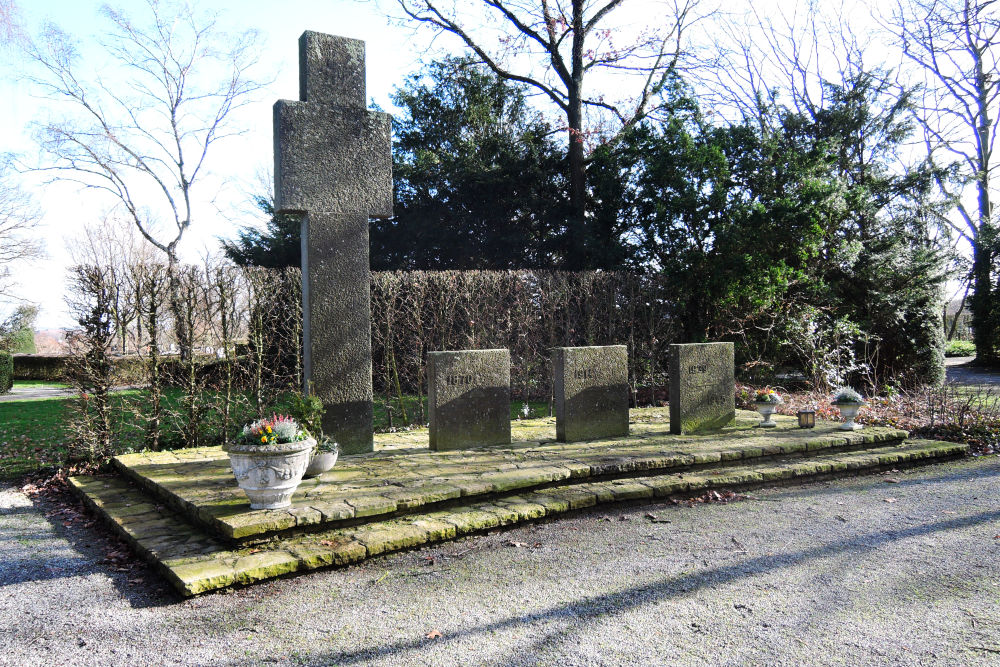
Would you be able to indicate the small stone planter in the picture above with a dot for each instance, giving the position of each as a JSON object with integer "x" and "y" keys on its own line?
{"x": 766, "y": 410}
{"x": 269, "y": 474}
{"x": 848, "y": 412}
{"x": 320, "y": 462}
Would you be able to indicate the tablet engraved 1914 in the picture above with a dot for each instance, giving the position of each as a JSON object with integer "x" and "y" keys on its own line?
{"x": 702, "y": 386}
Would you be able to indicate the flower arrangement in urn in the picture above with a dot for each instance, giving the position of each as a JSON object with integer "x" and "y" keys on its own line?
{"x": 269, "y": 459}
{"x": 767, "y": 401}
{"x": 848, "y": 401}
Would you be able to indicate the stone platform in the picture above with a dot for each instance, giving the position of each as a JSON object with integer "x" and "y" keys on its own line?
{"x": 183, "y": 510}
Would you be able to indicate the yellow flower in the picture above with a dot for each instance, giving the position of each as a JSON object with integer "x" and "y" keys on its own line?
{"x": 263, "y": 438}
{"x": 268, "y": 428}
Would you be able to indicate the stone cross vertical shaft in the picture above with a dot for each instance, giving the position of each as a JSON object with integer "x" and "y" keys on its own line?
{"x": 333, "y": 166}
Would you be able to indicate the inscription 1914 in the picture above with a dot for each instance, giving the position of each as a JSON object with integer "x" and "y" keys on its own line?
{"x": 459, "y": 380}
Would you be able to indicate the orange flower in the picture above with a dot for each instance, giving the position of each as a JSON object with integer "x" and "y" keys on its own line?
{"x": 263, "y": 439}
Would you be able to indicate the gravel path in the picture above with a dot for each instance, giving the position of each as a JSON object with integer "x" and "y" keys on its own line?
{"x": 825, "y": 574}
{"x": 959, "y": 370}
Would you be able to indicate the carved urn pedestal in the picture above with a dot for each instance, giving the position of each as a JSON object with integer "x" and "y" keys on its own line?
{"x": 269, "y": 474}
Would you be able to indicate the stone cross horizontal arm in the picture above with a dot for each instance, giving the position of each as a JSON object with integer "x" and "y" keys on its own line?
{"x": 330, "y": 153}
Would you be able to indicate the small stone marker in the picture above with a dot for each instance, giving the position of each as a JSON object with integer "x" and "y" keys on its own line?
{"x": 702, "y": 386}
{"x": 333, "y": 164}
{"x": 591, "y": 392}
{"x": 468, "y": 398}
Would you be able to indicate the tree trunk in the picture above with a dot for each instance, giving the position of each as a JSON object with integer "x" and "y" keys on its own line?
{"x": 984, "y": 330}
{"x": 577, "y": 243}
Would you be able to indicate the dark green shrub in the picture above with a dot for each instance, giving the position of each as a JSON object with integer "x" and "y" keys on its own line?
{"x": 6, "y": 372}
{"x": 960, "y": 348}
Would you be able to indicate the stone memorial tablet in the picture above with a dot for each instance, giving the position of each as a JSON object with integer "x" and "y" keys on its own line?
{"x": 591, "y": 392}
{"x": 468, "y": 398}
{"x": 702, "y": 386}
{"x": 333, "y": 165}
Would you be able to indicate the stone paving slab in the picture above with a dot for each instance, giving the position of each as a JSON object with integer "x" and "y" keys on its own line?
{"x": 196, "y": 562}
{"x": 403, "y": 476}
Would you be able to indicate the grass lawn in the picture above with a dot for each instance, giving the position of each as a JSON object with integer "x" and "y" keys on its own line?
{"x": 40, "y": 383}
{"x": 34, "y": 433}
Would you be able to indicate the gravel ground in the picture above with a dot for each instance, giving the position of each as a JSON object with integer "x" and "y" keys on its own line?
{"x": 961, "y": 371}
{"x": 825, "y": 574}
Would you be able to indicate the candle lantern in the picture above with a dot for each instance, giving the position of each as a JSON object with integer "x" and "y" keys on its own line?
{"x": 807, "y": 418}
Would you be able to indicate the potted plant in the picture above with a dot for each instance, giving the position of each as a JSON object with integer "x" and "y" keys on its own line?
{"x": 269, "y": 459}
{"x": 766, "y": 402}
{"x": 309, "y": 409}
{"x": 848, "y": 401}
{"x": 323, "y": 457}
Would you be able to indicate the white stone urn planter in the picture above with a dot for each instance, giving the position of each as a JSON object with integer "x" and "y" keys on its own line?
{"x": 848, "y": 412}
{"x": 766, "y": 410}
{"x": 269, "y": 474}
{"x": 322, "y": 461}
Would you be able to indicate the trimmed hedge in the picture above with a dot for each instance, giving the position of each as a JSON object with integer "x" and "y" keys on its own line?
{"x": 6, "y": 372}
{"x": 52, "y": 368}
{"x": 45, "y": 367}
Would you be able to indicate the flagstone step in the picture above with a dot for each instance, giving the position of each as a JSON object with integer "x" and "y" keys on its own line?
{"x": 195, "y": 561}
{"x": 402, "y": 481}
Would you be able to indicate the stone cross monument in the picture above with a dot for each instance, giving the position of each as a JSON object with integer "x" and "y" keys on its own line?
{"x": 333, "y": 166}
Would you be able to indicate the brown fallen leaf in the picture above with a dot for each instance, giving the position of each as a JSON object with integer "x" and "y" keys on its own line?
{"x": 434, "y": 634}
{"x": 328, "y": 543}
{"x": 517, "y": 545}
{"x": 888, "y": 500}
{"x": 891, "y": 480}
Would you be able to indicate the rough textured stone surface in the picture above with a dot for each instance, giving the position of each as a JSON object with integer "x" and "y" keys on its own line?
{"x": 404, "y": 476}
{"x": 195, "y": 562}
{"x": 332, "y": 163}
{"x": 702, "y": 386}
{"x": 468, "y": 398}
{"x": 332, "y": 159}
{"x": 336, "y": 292}
{"x": 330, "y": 153}
{"x": 591, "y": 392}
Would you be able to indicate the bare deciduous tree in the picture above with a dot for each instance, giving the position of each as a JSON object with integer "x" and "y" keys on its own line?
{"x": 556, "y": 48}
{"x": 955, "y": 47}
{"x": 18, "y": 216}
{"x": 142, "y": 131}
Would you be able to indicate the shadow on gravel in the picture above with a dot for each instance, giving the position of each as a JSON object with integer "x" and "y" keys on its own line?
{"x": 91, "y": 546}
{"x": 23, "y": 570}
{"x": 816, "y": 489}
{"x": 595, "y": 607}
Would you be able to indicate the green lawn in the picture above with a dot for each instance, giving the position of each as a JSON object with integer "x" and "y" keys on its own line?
{"x": 32, "y": 435}
{"x": 40, "y": 383}
{"x": 34, "y": 432}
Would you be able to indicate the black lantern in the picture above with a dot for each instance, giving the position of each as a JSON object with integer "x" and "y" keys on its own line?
{"x": 807, "y": 418}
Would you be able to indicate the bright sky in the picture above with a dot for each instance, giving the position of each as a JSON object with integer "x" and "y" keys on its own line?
{"x": 392, "y": 52}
